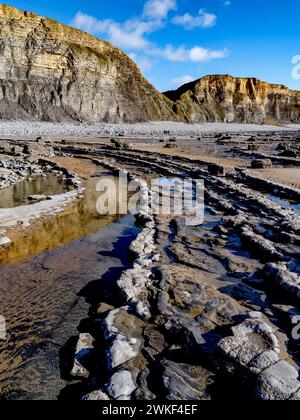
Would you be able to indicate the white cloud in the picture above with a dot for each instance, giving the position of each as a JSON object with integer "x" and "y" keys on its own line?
{"x": 90, "y": 24}
{"x": 296, "y": 68}
{"x": 227, "y": 3}
{"x": 170, "y": 53}
{"x": 199, "y": 54}
{"x": 143, "y": 62}
{"x": 159, "y": 9}
{"x": 182, "y": 80}
{"x": 196, "y": 54}
{"x": 132, "y": 34}
{"x": 127, "y": 35}
{"x": 203, "y": 20}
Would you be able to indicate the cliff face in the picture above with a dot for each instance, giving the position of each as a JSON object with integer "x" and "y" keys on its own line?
{"x": 230, "y": 99}
{"x": 52, "y": 72}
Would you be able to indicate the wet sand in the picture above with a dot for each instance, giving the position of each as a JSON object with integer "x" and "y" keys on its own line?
{"x": 47, "y": 280}
{"x": 45, "y": 298}
{"x": 285, "y": 176}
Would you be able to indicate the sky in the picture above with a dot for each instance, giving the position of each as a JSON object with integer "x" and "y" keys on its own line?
{"x": 177, "y": 41}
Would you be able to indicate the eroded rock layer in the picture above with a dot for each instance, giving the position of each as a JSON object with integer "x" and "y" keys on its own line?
{"x": 52, "y": 72}
{"x": 244, "y": 100}
{"x": 208, "y": 309}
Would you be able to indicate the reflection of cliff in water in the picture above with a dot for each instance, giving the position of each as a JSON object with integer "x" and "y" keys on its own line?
{"x": 79, "y": 219}
{"x": 17, "y": 194}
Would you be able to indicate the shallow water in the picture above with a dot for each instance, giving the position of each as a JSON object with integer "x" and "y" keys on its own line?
{"x": 17, "y": 194}
{"x": 288, "y": 204}
{"x": 44, "y": 299}
{"x": 47, "y": 281}
{"x": 78, "y": 220}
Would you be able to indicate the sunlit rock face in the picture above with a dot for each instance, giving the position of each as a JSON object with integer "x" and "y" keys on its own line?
{"x": 230, "y": 99}
{"x": 52, "y": 72}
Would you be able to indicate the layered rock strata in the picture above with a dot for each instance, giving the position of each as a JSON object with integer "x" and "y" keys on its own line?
{"x": 52, "y": 72}
{"x": 225, "y": 98}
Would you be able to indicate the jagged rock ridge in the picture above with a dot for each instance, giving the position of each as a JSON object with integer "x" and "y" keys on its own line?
{"x": 244, "y": 100}
{"x": 52, "y": 72}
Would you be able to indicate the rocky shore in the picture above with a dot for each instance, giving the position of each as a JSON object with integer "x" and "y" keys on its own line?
{"x": 16, "y": 130}
{"x": 207, "y": 311}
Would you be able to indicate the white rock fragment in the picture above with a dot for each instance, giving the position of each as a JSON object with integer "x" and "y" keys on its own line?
{"x": 5, "y": 242}
{"x": 122, "y": 350}
{"x": 121, "y": 385}
{"x": 83, "y": 350}
{"x": 122, "y": 347}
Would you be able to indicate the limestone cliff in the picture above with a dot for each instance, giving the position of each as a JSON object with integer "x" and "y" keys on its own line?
{"x": 230, "y": 99}
{"x": 52, "y": 72}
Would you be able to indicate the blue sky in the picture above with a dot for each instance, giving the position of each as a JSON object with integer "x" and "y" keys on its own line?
{"x": 175, "y": 41}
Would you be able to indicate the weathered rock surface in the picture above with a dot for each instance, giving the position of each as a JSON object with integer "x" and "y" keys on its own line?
{"x": 284, "y": 278}
{"x": 254, "y": 350}
{"x": 279, "y": 382}
{"x": 184, "y": 382}
{"x": 121, "y": 385}
{"x": 202, "y": 318}
{"x": 253, "y": 345}
{"x": 226, "y": 98}
{"x": 122, "y": 331}
{"x": 84, "y": 348}
{"x": 261, "y": 163}
{"x": 52, "y": 72}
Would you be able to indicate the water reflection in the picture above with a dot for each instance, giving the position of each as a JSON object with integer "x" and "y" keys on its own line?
{"x": 79, "y": 219}
{"x": 40, "y": 295}
{"x": 17, "y": 194}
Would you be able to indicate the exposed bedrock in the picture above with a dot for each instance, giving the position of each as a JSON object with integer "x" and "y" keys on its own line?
{"x": 255, "y": 351}
{"x": 246, "y": 100}
{"x": 51, "y": 72}
{"x": 207, "y": 310}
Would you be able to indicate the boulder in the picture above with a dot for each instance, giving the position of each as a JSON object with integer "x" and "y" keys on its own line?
{"x": 171, "y": 146}
{"x": 121, "y": 385}
{"x": 217, "y": 170}
{"x": 261, "y": 163}
{"x": 252, "y": 347}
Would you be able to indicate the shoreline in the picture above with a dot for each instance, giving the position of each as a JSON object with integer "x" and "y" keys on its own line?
{"x": 13, "y": 130}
